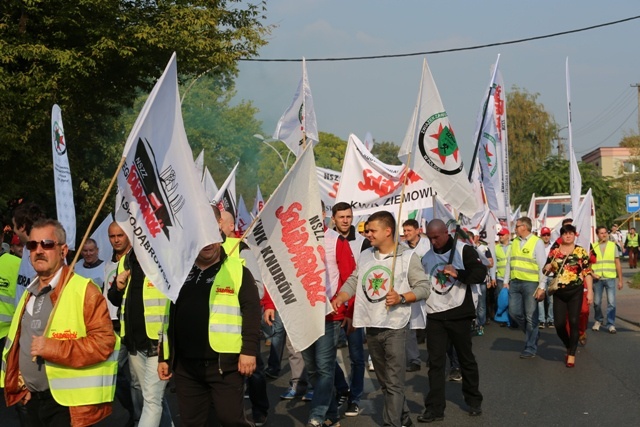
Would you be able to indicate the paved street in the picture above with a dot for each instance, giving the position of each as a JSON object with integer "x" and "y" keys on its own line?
{"x": 603, "y": 388}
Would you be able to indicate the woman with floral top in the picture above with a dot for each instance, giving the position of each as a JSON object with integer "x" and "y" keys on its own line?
{"x": 571, "y": 265}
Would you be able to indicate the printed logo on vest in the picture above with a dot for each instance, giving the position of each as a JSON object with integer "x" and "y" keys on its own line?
{"x": 228, "y": 290}
{"x": 376, "y": 283}
{"x": 67, "y": 334}
{"x": 441, "y": 284}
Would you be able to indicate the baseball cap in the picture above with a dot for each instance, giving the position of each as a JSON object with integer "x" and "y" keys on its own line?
{"x": 503, "y": 231}
{"x": 15, "y": 240}
{"x": 473, "y": 231}
{"x": 545, "y": 230}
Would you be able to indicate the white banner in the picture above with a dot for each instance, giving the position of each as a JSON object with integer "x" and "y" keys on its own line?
{"x": 199, "y": 163}
{"x": 575, "y": 179}
{"x": 288, "y": 241}
{"x": 369, "y": 185}
{"x": 329, "y": 181}
{"x": 298, "y": 125}
{"x": 62, "y": 178}
{"x": 209, "y": 185}
{"x": 258, "y": 203}
{"x": 225, "y": 198}
{"x": 243, "y": 220}
{"x": 584, "y": 221}
{"x": 160, "y": 203}
{"x": 500, "y": 114}
{"x": 433, "y": 150}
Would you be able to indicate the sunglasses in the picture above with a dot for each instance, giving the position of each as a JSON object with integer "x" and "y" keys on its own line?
{"x": 32, "y": 245}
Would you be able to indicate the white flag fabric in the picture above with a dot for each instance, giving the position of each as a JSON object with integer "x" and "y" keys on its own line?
{"x": 584, "y": 221}
{"x": 209, "y": 185}
{"x": 435, "y": 155}
{"x": 370, "y": 185}
{"x": 243, "y": 220}
{"x": 368, "y": 141}
{"x": 288, "y": 241}
{"x": 489, "y": 154}
{"x": 574, "y": 173}
{"x": 199, "y": 163}
{"x": 444, "y": 211}
{"x": 225, "y": 198}
{"x": 160, "y": 203}
{"x": 258, "y": 203}
{"x": 500, "y": 114}
{"x": 329, "y": 182}
{"x": 62, "y": 178}
{"x": 531, "y": 212}
{"x": 516, "y": 214}
{"x": 542, "y": 216}
{"x": 298, "y": 125}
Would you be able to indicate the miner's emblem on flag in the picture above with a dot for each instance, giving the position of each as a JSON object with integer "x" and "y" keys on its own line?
{"x": 445, "y": 156}
{"x": 376, "y": 283}
{"x": 441, "y": 283}
{"x": 60, "y": 145}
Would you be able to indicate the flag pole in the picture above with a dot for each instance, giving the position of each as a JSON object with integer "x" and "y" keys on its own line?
{"x": 397, "y": 233}
{"x": 67, "y": 276}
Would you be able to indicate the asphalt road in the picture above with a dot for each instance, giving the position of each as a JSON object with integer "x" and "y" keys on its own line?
{"x": 603, "y": 388}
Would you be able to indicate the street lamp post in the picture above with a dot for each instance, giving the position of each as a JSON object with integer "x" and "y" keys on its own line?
{"x": 268, "y": 142}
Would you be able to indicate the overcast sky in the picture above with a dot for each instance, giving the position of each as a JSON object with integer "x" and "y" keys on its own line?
{"x": 379, "y": 95}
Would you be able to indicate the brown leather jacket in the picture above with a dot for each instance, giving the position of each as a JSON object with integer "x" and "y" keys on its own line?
{"x": 94, "y": 348}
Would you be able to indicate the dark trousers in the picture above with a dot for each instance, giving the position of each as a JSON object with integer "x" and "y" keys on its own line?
{"x": 439, "y": 334}
{"x": 199, "y": 384}
{"x": 257, "y": 388}
{"x": 567, "y": 303}
{"x": 42, "y": 410}
{"x": 633, "y": 257}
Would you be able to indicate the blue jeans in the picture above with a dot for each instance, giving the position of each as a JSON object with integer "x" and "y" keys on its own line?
{"x": 320, "y": 361}
{"x": 257, "y": 388}
{"x": 144, "y": 375}
{"x": 546, "y": 315}
{"x": 598, "y": 287}
{"x": 523, "y": 308}
{"x": 356, "y": 354}
{"x": 277, "y": 345}
{"x": 481, "y": 311}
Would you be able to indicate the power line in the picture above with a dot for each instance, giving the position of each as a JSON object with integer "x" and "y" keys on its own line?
{"x": 611, "y": 134}
{"x": 434, "y": 52}
{"x": 609, "y": 113}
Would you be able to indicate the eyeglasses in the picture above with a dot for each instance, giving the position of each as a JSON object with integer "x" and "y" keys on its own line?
{"x": 32, "y": 245}
{"x": 519, "y": 225}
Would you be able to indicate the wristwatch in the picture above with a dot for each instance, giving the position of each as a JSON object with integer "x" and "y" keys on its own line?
{"x": 403, "y": 300}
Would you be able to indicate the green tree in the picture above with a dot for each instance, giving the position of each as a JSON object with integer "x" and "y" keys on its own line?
{"x": 386, "y": 152}
{"x": 553, "y": 177}
{"x": 531, "y": 133}
{"x": 94, "y": 58}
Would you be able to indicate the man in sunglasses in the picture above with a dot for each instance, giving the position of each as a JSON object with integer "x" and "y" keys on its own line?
{"x": 61, "y": 345}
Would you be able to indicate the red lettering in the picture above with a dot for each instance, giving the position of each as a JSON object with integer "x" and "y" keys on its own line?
{"x": 148, "y": 215}
{"x": 381, "y": 186}
{"x": 295, "y": 238}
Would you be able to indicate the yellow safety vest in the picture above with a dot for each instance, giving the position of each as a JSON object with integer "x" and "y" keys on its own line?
{"x": 155, "y": 306}
{"x": 225, "y": 317}
{"x": 9, "y": 267}
{"x": 632, "y": 241}
{"x": 501, "y": 260}
{"x": 232, "y": 244}
{"x": 523, "y": 260}
{"x": 88, "y": 385}
{"x": 605, "y": 265}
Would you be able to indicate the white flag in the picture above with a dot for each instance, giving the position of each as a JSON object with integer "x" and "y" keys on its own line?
{"x": 160, "y": 203}
{"x": 370, "y": 185}
{"x": 199, "y": 163}
{"x": 329, "y": 182}
{"x": 500, "y": 113}
{"x": 584, "y": 221}
{"x": 574, "y": 173}
{"x": 298, "y": 126}
{"x": 435, "y": 155}
{"x": 225, "y": 198}
{"x": 531, "y": 212}
{"x": 258, "y": 203}
{"x": 516, "y": 214}
{"x": 445, "y": 212}
{"x": 287, "y": 239}
{"x": 62, "y": 178}
{"x": 209, "y": 185}
{"x": 368, "y": 141}
{"x": 542, "y": 216}
{"x": 243, "y": 220}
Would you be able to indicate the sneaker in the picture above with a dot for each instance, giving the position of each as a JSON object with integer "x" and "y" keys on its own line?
{"x": 480, "y": 331}
{"x": 290, "y": 394}
{"x": 596, "y": 326}
{"x": 455, "y": 375}
{"x": 550, "y": 324}
{"x": 612, "y": 329}
{"x": 475, "y": 411}
{"x": 314, "y": 423}
{"x": 371, "y": 368}
{"x": 428, "y": 417}
{"x": 308, "y": 397}
{"x": 342, "y": 398}
{"x": 352, "y": 410}
{"x": 413, "y": 367}
{"x": 541, "y": 325}
{"x": 329, "y": 423}
{"x": 259, "y": 420}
